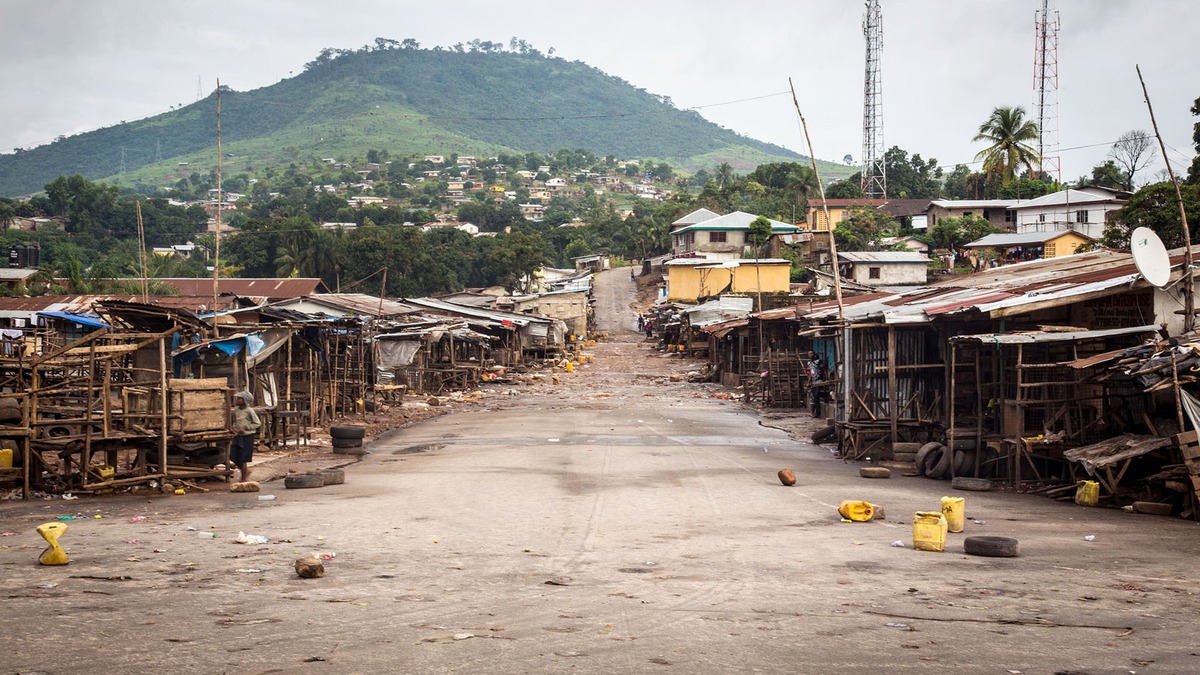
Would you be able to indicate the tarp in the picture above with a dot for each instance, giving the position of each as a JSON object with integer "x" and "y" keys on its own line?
{"x": 397, "y": 353}
{"x": 90, "y": 320}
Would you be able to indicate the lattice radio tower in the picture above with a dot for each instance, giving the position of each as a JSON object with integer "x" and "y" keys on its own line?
{"x": 874, "y": 175}
{"x": 1045, "y": 88}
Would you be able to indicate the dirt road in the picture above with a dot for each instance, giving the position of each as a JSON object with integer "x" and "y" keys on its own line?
{"x": 616, "y": 523}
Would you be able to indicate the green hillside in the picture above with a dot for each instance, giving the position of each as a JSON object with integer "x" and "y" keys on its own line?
{"x": 404, "y": 101}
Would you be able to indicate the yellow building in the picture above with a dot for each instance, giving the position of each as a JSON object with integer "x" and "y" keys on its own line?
{"x": 693, "y": 279}
{"x": 1014, "y": 246}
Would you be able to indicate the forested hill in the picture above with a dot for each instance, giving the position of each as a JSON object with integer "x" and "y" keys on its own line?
{"x": 403, "y": 100}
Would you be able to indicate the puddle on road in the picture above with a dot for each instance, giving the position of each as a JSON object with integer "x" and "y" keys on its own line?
{"x": 424, "y": 447}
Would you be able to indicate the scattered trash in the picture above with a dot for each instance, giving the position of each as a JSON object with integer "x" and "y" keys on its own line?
{"x": 208, "y": 535}
{"x": 68, "y": 496}
{"x": 65, "y": 518}
{"x": 560, "y": 581}
{"x": 898, "y": 544}
{"x": 463, "y": 636}
{"x": 314, "y": 659}
{"x": 133, "y": 541}
{"x": 137, "y": 519}
{"x": 253, "y": 570}
{"x": 97, "y": 516}
{"x": 552, "y": 440}
{"x": 8, "y": 534}
{"x": 243, "y": 538}
{"x": 309, "y": 567}
{"x": 49, "y": 585}
{"x": 189, "y": 528}
{"x": 1090, "y": 537}
{"x": 896, "y": 625}
{"x": 326, "y": 555}
{"x": 266, "y": 498}
{"x": 979, "y": 522}
{"x": 160, "y": 550}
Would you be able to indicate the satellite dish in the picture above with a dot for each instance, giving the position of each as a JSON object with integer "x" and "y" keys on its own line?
{"x": 1150, "y": 256}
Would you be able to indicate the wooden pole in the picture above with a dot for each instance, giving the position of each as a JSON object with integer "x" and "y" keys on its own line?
{"x": 164, "y": 401}
{"x": 217, "y": 247}
{"x": 1189, "y": 302}
{"x": 142, "y": 240}
{"x": 893, "y": 395}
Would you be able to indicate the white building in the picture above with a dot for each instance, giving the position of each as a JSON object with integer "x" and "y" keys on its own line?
{"x": 884, "y": 268}
{"x": 1082, "y": 210}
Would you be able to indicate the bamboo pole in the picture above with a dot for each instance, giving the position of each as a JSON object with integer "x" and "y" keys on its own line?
{"x": 142, "y": 243}
{"x": 220, "y": 196}
{"x": 1189, "y": 301}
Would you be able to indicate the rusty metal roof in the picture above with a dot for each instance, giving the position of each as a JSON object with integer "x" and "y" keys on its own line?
{"x": 275, "y": 289}
{"x": 1001, "y": 291}
{"x": 83, "y": 303}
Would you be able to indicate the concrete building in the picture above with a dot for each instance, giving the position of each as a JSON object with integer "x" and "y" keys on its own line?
{"x": 884, "y": 268}
{"x": 693, "y": 279}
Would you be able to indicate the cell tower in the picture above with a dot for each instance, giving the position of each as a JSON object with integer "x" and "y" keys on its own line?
{"x": 1045, "y": 88}
{"x": 874, "y": 175}
{"x": 199, "y": 88}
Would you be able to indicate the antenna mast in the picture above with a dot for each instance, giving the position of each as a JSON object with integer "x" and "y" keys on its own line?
{"x": 874, "y": 175}
{"x": 1045, "y": 88}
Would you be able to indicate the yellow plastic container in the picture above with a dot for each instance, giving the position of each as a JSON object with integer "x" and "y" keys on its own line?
{"x": 1087, "y": 493}
{"x": 104, "y": 471}
{"x": 954, "y": 509}
{"x": 929, "y": 531}
{"x": 570, "y": 366}
{"x": 859, "y": 512}
{"x": 54, "y": 554}
{"x": 6, "y": 458}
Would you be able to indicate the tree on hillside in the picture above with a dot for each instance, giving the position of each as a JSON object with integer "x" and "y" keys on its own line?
{"x": 1132, "y": 152}
{"x": 1010, "y": 135}
{"x": 758, "y": 234}
{"x": 1156, "y": 207}
{"x": 1194, "y": 171}
{"x": 849, "y": 188}
{"x": 724, "y": 175}
{"x": 911, "y": 178}
{"x": 956, "y": 183}
{"x": 863, "y": 229}
{"x": 954, "y": 233}
{"x": 1105, "y": 174}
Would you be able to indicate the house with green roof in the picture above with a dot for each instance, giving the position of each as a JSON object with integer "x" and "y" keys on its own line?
{"x": 721, "y": 238}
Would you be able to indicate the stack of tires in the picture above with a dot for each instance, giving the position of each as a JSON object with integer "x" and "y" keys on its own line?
{"x": 935, "y": 460}
{"x": 348, "y": 440}
{"x": 11, "y": 414}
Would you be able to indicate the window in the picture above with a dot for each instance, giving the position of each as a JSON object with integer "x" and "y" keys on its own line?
{"x": 716, "y": 237}
{"x": 873, "y": 272}
{"x": 1081, "y": 216}
{"x": 1041, "y": 217}
{"x": 1050, "y": 250}
{"x": 1010, "y": 216}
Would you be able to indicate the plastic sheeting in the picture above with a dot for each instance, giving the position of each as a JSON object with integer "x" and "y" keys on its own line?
{"x": 397, "y": 353}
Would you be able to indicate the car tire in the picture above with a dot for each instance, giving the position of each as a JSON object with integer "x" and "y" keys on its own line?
{"x": 964, "y": 462}
{"x": 303, "y": 480}
{"x": 992, "y": 547}
{"x": 971, "y": 484}
{"x": 875, "y": 472}
{"x": 937, "y": 465}
{"x": 922, "y": 457}
{"x": 333, "y": 476}
{"x": 347, "y": 431}
{"x": 357, "y": 450}
{"x": 346, "y": 442}
{"x": 824, "y": 434}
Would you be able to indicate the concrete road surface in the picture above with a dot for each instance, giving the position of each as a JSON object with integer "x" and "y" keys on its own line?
{"x": 617, "y": 523}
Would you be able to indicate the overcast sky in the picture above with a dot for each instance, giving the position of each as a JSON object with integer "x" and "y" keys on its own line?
{"x": 71, "y": 66}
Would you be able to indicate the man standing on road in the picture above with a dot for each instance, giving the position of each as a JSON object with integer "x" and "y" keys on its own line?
{"x": 816, "y": 373}
{"x": 245, "y": 426}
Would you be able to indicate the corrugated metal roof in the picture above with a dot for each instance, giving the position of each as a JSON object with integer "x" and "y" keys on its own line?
{"x": 717, "y": 311}
{"x": 1000, "y": 291}
{"x": 884, "y": 257}
{"x": 478, "y": 312}
{"x": 1052, "y": 336}
{"x": 1021, "y": 238}
{"x": 738, "y": 220}
{"x": 276, "y": 289}
{"x": 697, "y": 216}
{"x": 16, "y": 273}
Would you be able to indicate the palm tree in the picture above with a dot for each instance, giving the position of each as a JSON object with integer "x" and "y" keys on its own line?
{"x": 1009, "y": 134}
{"x": 724, "y": 175}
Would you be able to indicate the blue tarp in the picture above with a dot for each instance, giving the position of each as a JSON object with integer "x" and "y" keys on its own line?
{"x": 90, "y": 320}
